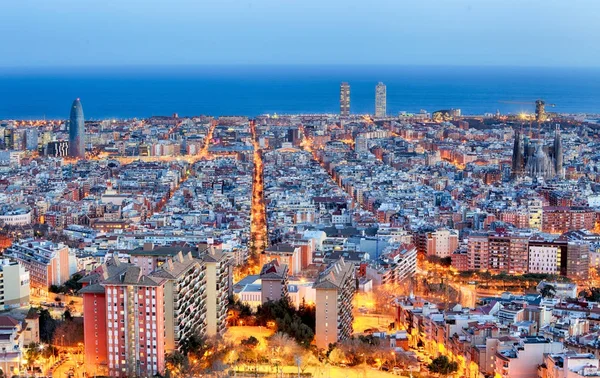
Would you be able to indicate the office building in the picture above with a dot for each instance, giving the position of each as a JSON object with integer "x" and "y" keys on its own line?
{"x": 335, "y": 288}
{"x": 31, "y": 139}
{"x": 380, "y": 100}
{"x": 76, "y": 131}
{"x": 345, "y": 99}
{"x": 56, "y": 149}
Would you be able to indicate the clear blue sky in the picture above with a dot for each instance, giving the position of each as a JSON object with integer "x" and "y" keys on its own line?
{"x": 411, "y": 32}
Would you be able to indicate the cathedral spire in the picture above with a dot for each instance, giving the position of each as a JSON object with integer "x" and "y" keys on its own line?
{"x": 517, "y": 156}
{"x": 558, "y": 153}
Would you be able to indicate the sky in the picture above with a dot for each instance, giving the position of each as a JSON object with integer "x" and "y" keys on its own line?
{"x": 49, "y": 33}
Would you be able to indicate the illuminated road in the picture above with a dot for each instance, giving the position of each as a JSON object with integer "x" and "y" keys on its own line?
{"x": 258, "y": 215}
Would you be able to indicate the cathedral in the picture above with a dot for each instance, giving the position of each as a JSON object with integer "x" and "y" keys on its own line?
{"x": 534, "y": 159}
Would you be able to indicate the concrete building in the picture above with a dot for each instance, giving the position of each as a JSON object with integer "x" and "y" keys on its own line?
{"x": 561, "y": 219}
{"x": 284, "y": 253}
{"x": 544, "y": 259}
{"x": 15, "y": 215}
{"x": 46, "y": 262}
{"x": 335, "y": 288}
{"x": 217, "y": 291}
{"x": 14, "y": 280}
{"x": 274, "y": 281}
{"x": 498, "y": 252}
{"x": 185, "y": 299}
{"x": 344, "y": 99}
{"x": 380, "y": 100}
{"x": 569, "y": 365}
{"x": 135, "y": 324}
{"x": 578, "y": 260}
{"x": 523, "y": 359}
{"x": 11, "y": 345}
{"x": 442, "y": 243}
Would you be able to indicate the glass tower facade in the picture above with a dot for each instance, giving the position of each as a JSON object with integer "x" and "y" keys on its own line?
{"x": 76, "y": 131}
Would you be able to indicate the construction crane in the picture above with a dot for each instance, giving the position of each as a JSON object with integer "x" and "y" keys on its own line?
{"x": 524, "y": 103}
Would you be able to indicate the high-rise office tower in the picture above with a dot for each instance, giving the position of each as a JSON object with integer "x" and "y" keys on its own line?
{"x": 76, "y": 131}
{"x": 380, "y": 100}
{"x": 9, "y": 139}
{"x": 345, "y": 99}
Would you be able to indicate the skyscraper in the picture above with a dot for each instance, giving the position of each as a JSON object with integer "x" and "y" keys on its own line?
{"x": 76, "y": 131}
{"x": 380, "y": 100}
{"x": 345, "y": 99}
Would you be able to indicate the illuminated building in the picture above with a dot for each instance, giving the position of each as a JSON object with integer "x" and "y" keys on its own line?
{"x": 124, "y": 329}
{"x": 344, "y": 99}
{"x": 523, "y": 358}
{"x": 12, "y": 344}
{"x": 560, "y": 219}
{"x": 14, "y": 280}
{"x": 536, "y": 160}
{"x": 217, "y": 291}
{"x": 76, "y": 131}
{"x": 31, "y": 139}
{"x": 185, "y": 297}
{"x": 284, "y": 253}
{"x": 57, "y": 149}
{"x": 380, "y": 100}
{"x": 335, "y": 288}
{"x": 274, "y": 281}
{"x": 47, "y": 262}
{"x": 9, "y": 139}
{"x": 442, "y": 243}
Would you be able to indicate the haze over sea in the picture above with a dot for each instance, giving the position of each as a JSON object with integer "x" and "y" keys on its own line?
{"x": 126, "y": 92}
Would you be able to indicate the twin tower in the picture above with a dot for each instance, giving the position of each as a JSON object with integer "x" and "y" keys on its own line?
{"x": 534, "y": 159}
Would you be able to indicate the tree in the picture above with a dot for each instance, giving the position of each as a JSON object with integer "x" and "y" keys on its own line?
{"x": 592, "y": 294}
{"x": 443, "y": 366}
{"x": 337, "y": 356}
{"x": 47, "y": 326}
{"x": 33, "y": 353}
{"x": 548, "y": 291}
{"x": 251, "y": 342}
{"x": 193, "y": 345}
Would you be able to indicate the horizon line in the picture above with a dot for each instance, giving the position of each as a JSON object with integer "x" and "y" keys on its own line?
{"x": 214, "y": 65}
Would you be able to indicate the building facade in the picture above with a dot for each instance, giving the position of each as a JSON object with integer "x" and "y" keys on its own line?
{"x": 335, "y": 288}
{"x": 380, "y": 100}
{"x": 14, "y": 280}
{"x": 46, "y": 262}
{"x": 344, "y": 99}
{"x": 76, "y": 131}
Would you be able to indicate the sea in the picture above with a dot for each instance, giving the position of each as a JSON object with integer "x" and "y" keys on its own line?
{"x": 144, "y": 91}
